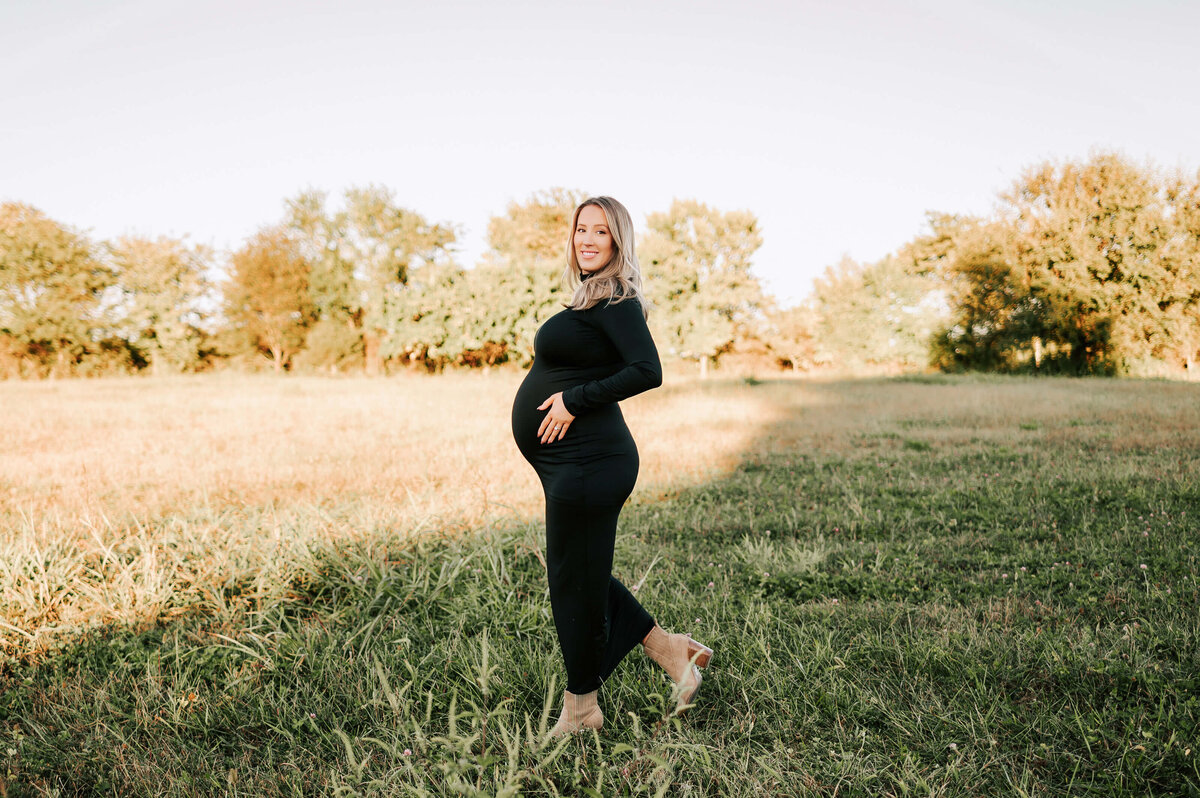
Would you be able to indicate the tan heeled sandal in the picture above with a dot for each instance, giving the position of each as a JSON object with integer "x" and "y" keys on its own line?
{"x": 682, "y": 658}
{"x": 579, "y": 712}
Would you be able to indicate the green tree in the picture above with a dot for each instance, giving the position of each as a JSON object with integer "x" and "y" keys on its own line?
{"x": 534, "y": 232}
{"x": 428, "y": 317}
{"x": 335, "y": 340}
{"x": 51, "y": 287}
{"x": 1085, "y": 268}
{"x": 267, "y": 295}
{"x": 1181, "y": 302}
{"x": 1088, "y": 239}
{"x": 511, "y": 302}
{"x": 518, "y": 285}
{"x": 162, "y": 283}
{"x": 881, "y": 314}
{"x": 791, "y": 335}
{"x": 697, "y": 262}
{"x": 385, "y": 242}
{"x": 994, "y": 316}
{"x": 361, "y": 256}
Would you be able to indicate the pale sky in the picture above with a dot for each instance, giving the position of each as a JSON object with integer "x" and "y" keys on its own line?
{"x": 839, "y": 124}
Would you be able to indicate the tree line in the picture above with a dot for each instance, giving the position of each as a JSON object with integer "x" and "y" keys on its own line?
{"x": 357, "y": 284}
{"x": 1088, "y": 266}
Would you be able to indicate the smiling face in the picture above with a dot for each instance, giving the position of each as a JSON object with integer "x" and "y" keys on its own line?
{"x": 593, "y": 240}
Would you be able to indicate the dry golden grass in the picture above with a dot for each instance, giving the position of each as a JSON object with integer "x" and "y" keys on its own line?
{"x": 126, "y": 450}
{"x": 129, "y": 500}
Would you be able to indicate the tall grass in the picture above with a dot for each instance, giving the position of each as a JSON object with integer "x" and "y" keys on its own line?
{"x": 130, "y": 500}
{"x": 913, "y": 587}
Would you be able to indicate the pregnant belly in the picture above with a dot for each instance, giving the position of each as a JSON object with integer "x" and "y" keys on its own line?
{"x": 597, "y": 434}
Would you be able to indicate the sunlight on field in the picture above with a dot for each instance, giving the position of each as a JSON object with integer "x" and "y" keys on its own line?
{"x": 130, "y": 499}
{"x": 125, "y": 450}
{"x": 839, "y": 416}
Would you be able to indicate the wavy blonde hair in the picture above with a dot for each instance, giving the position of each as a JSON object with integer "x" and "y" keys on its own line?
{"x": 615, "y": 281}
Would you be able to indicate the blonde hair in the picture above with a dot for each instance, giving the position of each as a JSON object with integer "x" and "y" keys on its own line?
{"x": 615, "y": 281}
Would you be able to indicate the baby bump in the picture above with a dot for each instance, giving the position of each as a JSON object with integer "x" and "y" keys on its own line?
{"x": 596, "y": 462}
{"x": 526, "y": 418}
{"x": 598, "y": 432}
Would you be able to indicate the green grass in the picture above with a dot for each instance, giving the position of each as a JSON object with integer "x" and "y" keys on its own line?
{"x": 948, "y": 602}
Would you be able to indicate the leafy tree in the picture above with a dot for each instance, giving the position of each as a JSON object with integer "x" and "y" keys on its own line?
{"x": 1086, "y": 268}
{"x": 535, "y": 232}
{"x": 161, "y": 283}
{"x": 267, "y": 295}
{"x": 994, "y": 315}
{"x": 518, "y": 285}
{"x": 332, "y": 345}
{"x": 881, "y": 314}
{"x": 476, "y": 317}
{"x": 51, "y": 287}
{"x": 361, "y": 257}
{"x": 385, "y": 241}
{"x": 791, "y": 334}
{"x": 335, "y": 340}
{"x": 1088, "y": 237}
{"x": 887, "y": 313}
{"x": 697, "y": 263}
{"x": 428, "y": 317}
{"x": 512, "y": 302}
{"x": 488, "y": 314}
{"x": 1181, "y": 301}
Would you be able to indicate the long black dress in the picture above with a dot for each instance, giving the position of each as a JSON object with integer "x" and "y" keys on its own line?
{"x": 596, "y": 357}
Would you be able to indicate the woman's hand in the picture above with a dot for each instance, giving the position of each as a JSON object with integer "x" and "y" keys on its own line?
{"x": 557, "y": 421}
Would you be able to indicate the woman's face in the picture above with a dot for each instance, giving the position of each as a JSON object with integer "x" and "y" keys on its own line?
{"x": 593, "y": 241}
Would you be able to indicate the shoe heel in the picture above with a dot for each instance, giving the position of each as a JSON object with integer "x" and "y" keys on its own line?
{"x": 701, "y": 652}
{"x": 690, "y": 698}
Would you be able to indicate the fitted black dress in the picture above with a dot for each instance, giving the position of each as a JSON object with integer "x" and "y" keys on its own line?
{"x": 596, "y": 357}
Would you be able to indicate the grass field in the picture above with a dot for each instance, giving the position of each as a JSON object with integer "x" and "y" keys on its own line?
{"x": 925, "y": 586}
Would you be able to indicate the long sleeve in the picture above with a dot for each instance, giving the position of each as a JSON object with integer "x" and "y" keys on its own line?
{"x": 625, "y": 326}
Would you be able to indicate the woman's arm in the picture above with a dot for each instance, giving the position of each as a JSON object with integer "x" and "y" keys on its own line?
{"x": 625, "y": 326}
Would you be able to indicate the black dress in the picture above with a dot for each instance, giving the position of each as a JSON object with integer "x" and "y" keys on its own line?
{"x": 596, "y": 357}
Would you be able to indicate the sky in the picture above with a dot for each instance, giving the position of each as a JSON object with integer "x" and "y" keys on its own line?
{"x": 839, "y": 125}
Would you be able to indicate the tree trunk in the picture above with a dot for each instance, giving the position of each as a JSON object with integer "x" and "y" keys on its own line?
{"x": 277, "y": 357}
{"x": 371, "y": 350}
{"x": 1037, "y": 352}
{"x": 1079, "y": 358}
{"x": 704, "y": 367}
{"x": 60, "y": 362}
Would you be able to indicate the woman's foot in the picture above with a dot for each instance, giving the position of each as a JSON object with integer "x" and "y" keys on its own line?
{"x": 682, "y": 658}
{"x": 579, "y": 712}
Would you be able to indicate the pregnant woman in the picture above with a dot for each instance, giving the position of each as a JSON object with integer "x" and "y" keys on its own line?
{"x": 567, "y": 424}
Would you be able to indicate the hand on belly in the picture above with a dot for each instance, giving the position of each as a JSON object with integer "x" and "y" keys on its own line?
{"x": 557, "y": 421}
